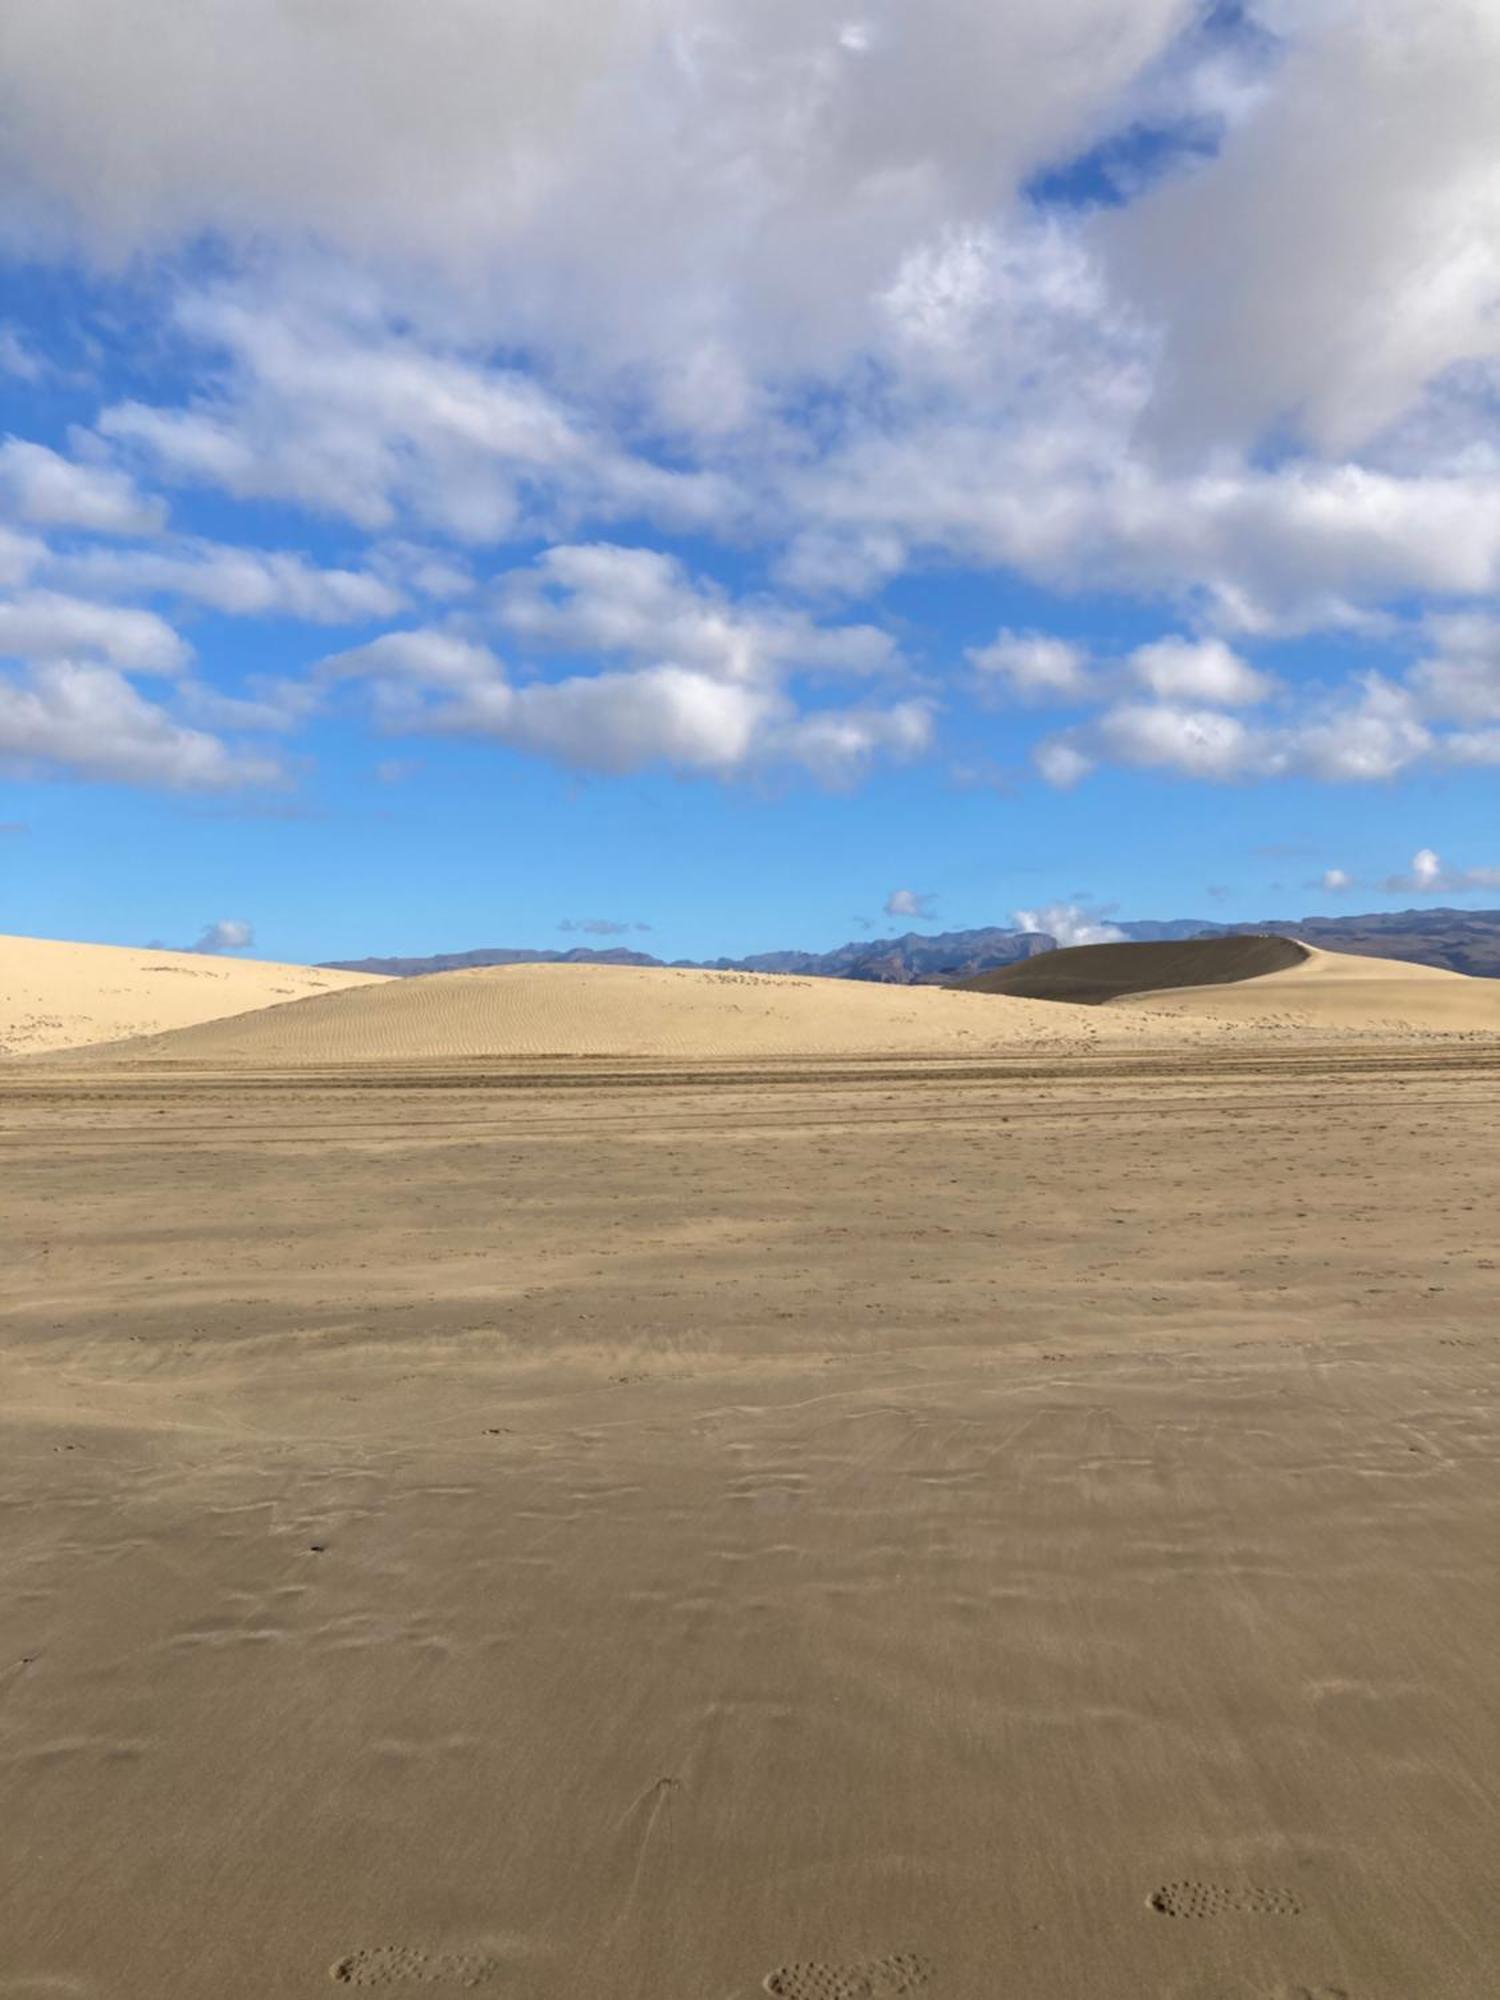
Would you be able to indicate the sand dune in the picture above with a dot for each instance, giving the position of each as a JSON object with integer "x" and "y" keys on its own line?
{"x": 1256, "y": 983}
{"x": 1337, "y": 991}
{"x": 1090, "y": 974}
{"x": 59, "y": 996}
{"x": 593, "y": 1010}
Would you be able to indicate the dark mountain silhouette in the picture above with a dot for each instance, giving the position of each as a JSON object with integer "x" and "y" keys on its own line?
{"x": 1461, "y": 940}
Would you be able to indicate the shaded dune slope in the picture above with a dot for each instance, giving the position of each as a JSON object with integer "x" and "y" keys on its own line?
{"x": 1090, "y": 974}
{"x": 55, "y": 995}
{"x": 573, "y": 1010}
{"x": 1256, "y": 983}
{"x": 1337, "y": 991}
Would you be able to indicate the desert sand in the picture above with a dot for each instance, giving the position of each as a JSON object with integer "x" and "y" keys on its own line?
{"x": 1017, "y": 1524}
{"x": 1265, "y": 983}
{"x": 1335, "y": 990}
{"x": 567, "y": 1012}
{"x": 58, "y": 996}
{"x": 620, "y": 1010}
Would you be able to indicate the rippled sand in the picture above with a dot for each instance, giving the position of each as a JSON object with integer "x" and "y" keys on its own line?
{"x": 1009, "y": 1529}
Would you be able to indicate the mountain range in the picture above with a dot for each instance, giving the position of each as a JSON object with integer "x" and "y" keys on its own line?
{"x": 1459, "y": 940}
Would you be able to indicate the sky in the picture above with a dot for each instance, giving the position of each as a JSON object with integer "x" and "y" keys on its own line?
{"x": 720, "y": 475}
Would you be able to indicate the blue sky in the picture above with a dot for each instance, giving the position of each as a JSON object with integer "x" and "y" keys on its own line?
{"x": 735, "y": 476}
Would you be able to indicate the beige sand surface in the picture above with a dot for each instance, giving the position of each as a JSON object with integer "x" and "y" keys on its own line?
{"x": 530, "y": 1012}
{"x": 1337, "y": 990}
{"x": 58, "y": 996}
{"x": 1023, "y": 1532}
{"x": 625, "y": 1010}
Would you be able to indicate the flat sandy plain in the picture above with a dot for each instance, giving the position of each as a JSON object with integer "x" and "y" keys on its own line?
{"x": 1007, "y": 1527}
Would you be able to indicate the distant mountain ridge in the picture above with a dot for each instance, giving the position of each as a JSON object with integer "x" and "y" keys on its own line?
{"x": 1458, "y": 940}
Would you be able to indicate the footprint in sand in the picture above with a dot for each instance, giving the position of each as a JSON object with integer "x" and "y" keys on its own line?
{"x": 1214, "y": 1899}
{"x": 876, "y": 1979}
{"x": 412, "y": 1965}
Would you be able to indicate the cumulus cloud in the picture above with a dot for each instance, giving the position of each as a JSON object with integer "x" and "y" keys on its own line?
{"x": 1458, "y": 678}
{"x": 1368, "y": 731}
{"x": 20, "y": 557}
{"x": 1344, "y": 249}
{"x": 910, "y": 903}
{"x": 1203, "y": 670}
{"x": 706, "y": 685}
{"x": 40, "y": 486}
{"x": 1033, "y": 667}
{"x": 44, "y": 625}
{"x": 1428, "y": 876}
{"x": 706, "y": 161}
{"x": 1068, "y": 924}
{"x": 88, "y": 721}
{"x": 327, "y": 402}
{"x": 642, "y": 603}
{"x": 242, "y": 583}
{"x": 1336, "y": 881}
{"x": 228, "y": 934}
{"x": 803, "y": 281}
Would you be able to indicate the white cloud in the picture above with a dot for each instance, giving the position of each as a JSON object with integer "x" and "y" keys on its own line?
{"x": 243, "y": 583}
{"x": 1370, "y": 730}
{"x": 642, "y": 604}
{"x": 1459, "y": 679}
{"x": 44, "y": 625}
{"x": 40, "y": 486}
{"x": 1033, "y": 667}
{"x": 1061, "y": 761}
{"x": 88, "y": 721}
{"x": 20, "y": 557}
{"x": 1378, "y": 733}
{"x": 1344, "y": 248}
{"x": 228, "y": 934}
{"x": 664, "y": 169}
{"x": 706, "y": 687}
{"x": 1203, "y": 670}
{"x": 1336, "y": 881}
{"x": 266, "y": 702}
{"x": 326, "y": 403}
{"x": 1161, "y": 736}
{"x": 910, "y": 903}
{"x": 1428, "y": 876}
{"x": 779, "y": 274}
{"x": 1067, "y": 923}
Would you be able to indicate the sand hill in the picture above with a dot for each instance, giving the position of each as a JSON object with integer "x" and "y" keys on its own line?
{"x": 1335, "y": 991}
{"x": 59, "y": 996}
{"x": 1257, "y": 983}
{"x": 576, "y": 1010}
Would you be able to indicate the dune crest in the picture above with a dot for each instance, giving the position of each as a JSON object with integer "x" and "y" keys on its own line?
{"x": 55, "y": 995}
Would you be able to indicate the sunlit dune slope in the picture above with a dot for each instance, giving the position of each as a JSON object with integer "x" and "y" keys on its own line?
{"x": 1090, "y": 974}
{"x": 577, "y": 1010}
{"x": 1333, "y": 991}
{"x": 61, "y": 996}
